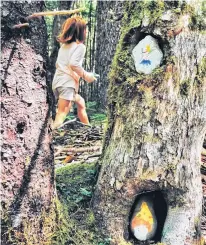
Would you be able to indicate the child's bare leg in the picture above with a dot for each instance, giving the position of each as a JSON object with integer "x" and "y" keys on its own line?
{"x": 81, "y": 109}
{"x": 64, "y": 107}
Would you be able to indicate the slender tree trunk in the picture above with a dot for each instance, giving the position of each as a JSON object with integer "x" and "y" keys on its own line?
{"x": 109, "y": 16}
{"x": 57, "y": 23}
{"x": 157, "y": 124}
{"x": 27, "y": 172}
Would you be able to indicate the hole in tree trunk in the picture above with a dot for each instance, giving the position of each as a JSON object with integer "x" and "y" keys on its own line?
{"x": 157, "y": 205}
{"x": 135, "y": 35}
{"x": 20, "y": 127}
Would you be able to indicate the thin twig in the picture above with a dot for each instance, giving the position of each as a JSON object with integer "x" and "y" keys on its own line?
{"x": 83, "y": 149}
{"x": 67, "y": 122}
{"x": 20, "y": 25}
{"x": 84, "y": 124}
{"x": 60, "y": 157}
{"x": 62, "y": 12}
{"x": 95, "y": 155}
{"x": 58, "y": 152}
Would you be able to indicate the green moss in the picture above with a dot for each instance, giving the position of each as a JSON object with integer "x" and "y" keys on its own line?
{"x": 197, "y": 17}
{"x": 201, "y": 71}
{"x": 123, "y": 65}
{"x": 90, "y": 219}
{"x": 150, "y": 139}
{"x": 37, "y": 229}
{"x": 123, "y": 76}
{"x": 75, "y": 186}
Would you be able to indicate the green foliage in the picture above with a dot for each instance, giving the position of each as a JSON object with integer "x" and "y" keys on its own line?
{"x": 50, "y": 6}
{"x": 98, "y": 118}
{"x": 90, "y": 8}
{"x": 76, "y": 222}
{"x": 75, "y": 184}
{"x": 70, "y": 117}
{"x": 198, "y": 21}
{"x": 92, "y": 105}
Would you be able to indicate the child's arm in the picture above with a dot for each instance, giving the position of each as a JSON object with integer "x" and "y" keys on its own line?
{"x": 76, "y": 64}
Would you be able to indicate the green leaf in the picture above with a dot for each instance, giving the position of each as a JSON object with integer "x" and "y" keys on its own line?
{"x": 85, "y": 192}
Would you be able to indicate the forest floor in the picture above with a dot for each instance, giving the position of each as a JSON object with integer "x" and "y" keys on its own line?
{"x": 77, "y": 148}
{"x": 75, "y": 142}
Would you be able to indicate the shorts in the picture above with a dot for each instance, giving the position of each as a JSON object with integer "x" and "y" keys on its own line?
{"x": 66, "y": 93}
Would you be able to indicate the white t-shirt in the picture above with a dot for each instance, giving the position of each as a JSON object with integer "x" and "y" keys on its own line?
{"x": 69, "y": 66}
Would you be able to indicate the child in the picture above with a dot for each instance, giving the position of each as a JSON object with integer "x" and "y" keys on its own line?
{"x": 69, "y": 69}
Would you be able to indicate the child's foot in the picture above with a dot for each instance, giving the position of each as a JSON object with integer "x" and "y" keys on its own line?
{"x": 55, "y": 125}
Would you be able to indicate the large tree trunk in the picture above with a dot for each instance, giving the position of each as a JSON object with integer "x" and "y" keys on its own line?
{"x": 156, "y": 126}
{"x": 109, "y": 16}
{"x": 27, "y": 160}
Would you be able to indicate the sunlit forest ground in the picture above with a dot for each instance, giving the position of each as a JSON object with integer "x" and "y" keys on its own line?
{"x": 76, "y": 176}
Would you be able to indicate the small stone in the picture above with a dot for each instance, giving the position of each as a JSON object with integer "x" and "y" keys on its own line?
{"x": 147, "y": 55}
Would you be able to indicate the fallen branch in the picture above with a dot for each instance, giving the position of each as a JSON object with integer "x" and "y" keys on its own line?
{"x": 76, "y": 150}
{"x": 62, "y": 12}
{"x": 73, "y": 120}
{"x": 20, "y": 25}
{"x": 84, "y": 124}
{"x": 67, "y": 122}
{"x": 83, "y": 149}
{"x": 60, "y": 157}
{"x": 95, "y": 155}
{"x": 58, "y": 152}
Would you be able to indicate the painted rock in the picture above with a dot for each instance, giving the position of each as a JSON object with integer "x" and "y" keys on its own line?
{"x": 143, "y": 223}
{"x": 147, "y": 55}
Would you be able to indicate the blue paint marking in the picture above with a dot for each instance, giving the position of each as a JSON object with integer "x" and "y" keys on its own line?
{"x": 145, "y": 62}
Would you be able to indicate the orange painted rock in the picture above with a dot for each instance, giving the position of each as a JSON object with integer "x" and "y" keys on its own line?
{"x": 143, "y": 223}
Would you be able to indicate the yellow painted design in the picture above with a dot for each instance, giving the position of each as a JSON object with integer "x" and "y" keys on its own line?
{"x": 148, "y": 48}
{"x": 143, "y": 217}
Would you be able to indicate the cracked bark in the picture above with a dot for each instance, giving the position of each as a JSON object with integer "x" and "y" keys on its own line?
{"x": 156, "y": 128}
{"x": 27, "y": 159}
{"x": 109, "y": 16}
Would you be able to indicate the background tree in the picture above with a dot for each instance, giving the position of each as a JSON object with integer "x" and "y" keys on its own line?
{"x": 27, "y": 172}
{"x": 156, "y": 124}
{"x": 109, "y": 16}
{"x": 87, "y": 90}
{"x": 58, "y": 20}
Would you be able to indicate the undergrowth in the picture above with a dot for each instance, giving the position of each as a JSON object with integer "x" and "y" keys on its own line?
{"x": 96, "y": 115}
{"x": 75, "y": 185}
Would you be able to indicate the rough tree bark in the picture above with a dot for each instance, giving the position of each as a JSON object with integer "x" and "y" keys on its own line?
{"x": 157, "y": 124}
{"x": 109, "y": 16}
{"x": 27, "y": 172}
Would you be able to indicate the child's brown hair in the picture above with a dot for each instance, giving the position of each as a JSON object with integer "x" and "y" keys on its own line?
{"x": 73, "y": 29}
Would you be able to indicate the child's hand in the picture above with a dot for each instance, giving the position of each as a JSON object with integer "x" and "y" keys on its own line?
{"x": 92, "y": 77}
{"x": 97, "y": 76}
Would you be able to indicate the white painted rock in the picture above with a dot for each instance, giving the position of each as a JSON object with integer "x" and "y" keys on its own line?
{"x": 147, "y": 55}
